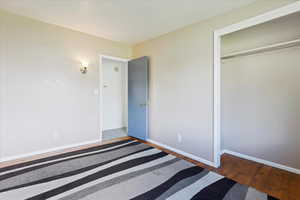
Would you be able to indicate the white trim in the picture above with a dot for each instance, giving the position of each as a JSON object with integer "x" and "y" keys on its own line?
{"x": 280, "y": 12}
{"x": 10, "y": 158}
{"x": 217, "y": 101}
{"x": 202, "y": 160}
{"x": 126, "y": 95}
{"x": 262, "y": 161}
{"x": 114, "y": 58}
{"x": 102, "y": 56}
{"x": 274, "y": 14}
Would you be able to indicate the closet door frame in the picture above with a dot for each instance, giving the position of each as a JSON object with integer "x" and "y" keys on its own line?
{"x": 274, "y": 14}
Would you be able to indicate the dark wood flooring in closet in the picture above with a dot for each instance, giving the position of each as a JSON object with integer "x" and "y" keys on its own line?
{"x": 278, "y": 183}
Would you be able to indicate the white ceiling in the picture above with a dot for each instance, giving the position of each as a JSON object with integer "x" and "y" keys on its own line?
{"x": 129, "y": 21}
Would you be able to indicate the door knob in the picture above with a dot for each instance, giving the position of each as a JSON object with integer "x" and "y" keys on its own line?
{"x": 143, "y": 104}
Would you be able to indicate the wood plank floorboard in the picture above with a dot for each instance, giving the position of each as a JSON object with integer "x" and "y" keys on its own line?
{"x": 276, "y": 182}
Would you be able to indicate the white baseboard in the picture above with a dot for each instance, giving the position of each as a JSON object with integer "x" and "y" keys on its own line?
{"x": 116, "y": 128}
{"x": 262, "y": 161}
{"x": 202, "y": 160}
{"x": 10, "y": 158}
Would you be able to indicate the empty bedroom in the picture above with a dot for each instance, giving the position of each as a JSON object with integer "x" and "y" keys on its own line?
{"x": 149, "y": 100}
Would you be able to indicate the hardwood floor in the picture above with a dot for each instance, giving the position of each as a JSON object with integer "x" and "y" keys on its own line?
{"x": 278, "y": 183}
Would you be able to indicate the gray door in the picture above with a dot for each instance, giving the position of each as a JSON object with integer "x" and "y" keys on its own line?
{"x": 138, "y": 98}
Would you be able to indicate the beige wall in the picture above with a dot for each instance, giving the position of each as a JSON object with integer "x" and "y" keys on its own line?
{"x": 261, "y": 94}
{"x": 39, "y": 66}
{"x": 45, "y": 101}
{"x": 181, "y": 80}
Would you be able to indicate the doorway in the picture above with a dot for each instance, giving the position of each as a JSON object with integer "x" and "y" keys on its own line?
{"x": 113, "y": 88}
{"x": 123, "y": 97}
{"x": 218, "y": 34}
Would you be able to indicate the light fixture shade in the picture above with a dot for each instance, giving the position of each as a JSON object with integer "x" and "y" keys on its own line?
{"x": 84, "y": 67}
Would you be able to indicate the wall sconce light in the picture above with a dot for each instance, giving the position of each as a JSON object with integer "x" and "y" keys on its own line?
{"x": 84, "y": 67}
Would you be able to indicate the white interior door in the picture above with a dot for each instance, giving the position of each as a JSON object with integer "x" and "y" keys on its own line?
{"x": 114, "y": 103}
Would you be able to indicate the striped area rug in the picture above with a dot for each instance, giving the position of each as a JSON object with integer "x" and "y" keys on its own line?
{"x": 120, "y": 170}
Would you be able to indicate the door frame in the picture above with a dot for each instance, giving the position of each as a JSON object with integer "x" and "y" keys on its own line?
{"x": 101, "y": 57}
{"x": 268, "y": 16}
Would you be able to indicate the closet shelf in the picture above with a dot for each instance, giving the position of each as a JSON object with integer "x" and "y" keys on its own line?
{"x": 272, "y": 47}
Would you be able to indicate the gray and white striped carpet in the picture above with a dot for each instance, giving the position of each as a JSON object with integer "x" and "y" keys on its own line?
{"x": 120, "y": 170}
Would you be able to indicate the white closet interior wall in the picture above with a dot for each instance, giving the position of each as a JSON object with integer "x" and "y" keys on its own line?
{"x": 260, "y": 114}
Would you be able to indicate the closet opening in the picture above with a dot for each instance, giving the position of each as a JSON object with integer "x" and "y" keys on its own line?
{"x": 257, "y": 90}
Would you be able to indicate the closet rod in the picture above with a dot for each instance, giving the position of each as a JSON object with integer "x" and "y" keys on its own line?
{"x": 272, "y": 47}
